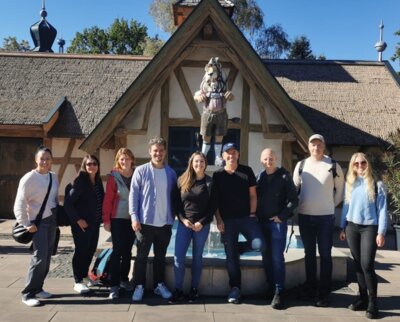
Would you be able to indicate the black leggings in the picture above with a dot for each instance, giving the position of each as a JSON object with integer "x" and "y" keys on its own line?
{"x": 362, "y": 244}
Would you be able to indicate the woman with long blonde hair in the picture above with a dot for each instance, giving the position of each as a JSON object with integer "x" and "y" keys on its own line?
{"x": 364, "y": 224}
{"x": 117, "y": 220}
{"x": 195, "y": 214}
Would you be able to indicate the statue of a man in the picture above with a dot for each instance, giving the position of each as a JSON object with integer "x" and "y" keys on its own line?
{"x": 214, "y": 119}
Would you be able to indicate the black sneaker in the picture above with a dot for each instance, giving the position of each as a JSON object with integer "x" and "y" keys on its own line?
{"x": 359, "y": 305}
{"x": 306, "y": 293}
{"x": 176, "y": 297}
{"x": 323, "y": 301}
{"x": 277, "y": 302}
{"x": 193, "y": 295}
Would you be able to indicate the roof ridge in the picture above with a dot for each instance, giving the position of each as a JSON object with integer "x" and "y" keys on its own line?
{"x": 77, "y": 56}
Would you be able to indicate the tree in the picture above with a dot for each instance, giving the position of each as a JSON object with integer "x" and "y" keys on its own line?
{"x": 272, "y": 42}
{"x": 121, "y": 38}
{"x": 300, "y": 49}
{"x": 11, "y": 44}
{"x": 152, "y": 46}
{"x": 396, "y": 55}
{"x": 247, "y": 15}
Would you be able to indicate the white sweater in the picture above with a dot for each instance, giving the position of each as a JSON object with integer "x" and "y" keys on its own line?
{"x": 319, "y": 192}
{"x": 31, "y": 192}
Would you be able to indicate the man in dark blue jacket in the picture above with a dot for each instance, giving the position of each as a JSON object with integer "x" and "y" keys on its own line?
{"x": 277, "y": 198}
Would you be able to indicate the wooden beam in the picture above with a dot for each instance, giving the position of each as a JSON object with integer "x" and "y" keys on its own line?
{"x": 203, "y": 63}
{"x": 230, "y": 80}
{"x": 244, "y": 129}
{"x": 187, "y": 93}
{"x": 287, "y": 156}
{"x": 66, "y": 159}
{"x": 260, "y": 102}
{"x": 208, "y": 43}
{"x": 164, "y": 113}
{"x": 30, "y": 131}
{"x": 149, "y": 105}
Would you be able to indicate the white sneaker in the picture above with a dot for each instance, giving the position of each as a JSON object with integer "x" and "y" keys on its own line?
{"x": 43, "y": 295}
{"x": 81, "y": 288}
{"x": 126, "y": 285}
{"x": 138, "y": 294}
{"x": 31, "y": 302}
{"x": 163, "y": 291}
{"x": 114, "y": 292}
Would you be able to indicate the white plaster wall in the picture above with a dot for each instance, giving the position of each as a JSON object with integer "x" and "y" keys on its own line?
{"x": 255, "y": 117}
{"x": 258, "y": 143}
{"x": 234, "y": 108}
{"x": 106, "y": 160}
{"x": 138, "y": 143}
{"x": 134, "y": 119}
{"x": 272, "y": 115}
{"x": 178, "y": 107}
{"x": 343, "y": 153}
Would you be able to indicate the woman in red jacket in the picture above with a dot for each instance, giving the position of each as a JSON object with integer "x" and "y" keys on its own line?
{"x": 117, "y": 220}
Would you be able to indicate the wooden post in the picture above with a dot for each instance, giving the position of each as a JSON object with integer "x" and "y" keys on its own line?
{"x": 244, "y": 129}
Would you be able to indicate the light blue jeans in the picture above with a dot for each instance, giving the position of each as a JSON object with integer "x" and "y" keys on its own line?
{"x": 184, "y": 236}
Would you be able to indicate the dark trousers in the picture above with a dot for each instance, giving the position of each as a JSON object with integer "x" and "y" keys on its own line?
{"x": 362, "y": 244}
{"x": 273, "y": 255}
{"x": 43, "y": 243}
{"x": 318, "y": 230}
{"x": 159, "y": 238}
{"x": 122, "y": 236}
{"x": 251, "y": 230}
{"x": 85, "y": 247}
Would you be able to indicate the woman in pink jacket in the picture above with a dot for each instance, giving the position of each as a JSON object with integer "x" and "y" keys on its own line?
{"x": 117, "y": 220}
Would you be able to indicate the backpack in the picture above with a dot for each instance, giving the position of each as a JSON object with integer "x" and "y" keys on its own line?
{"x": 100, "y": 273}
{"x": 332, "y": 169}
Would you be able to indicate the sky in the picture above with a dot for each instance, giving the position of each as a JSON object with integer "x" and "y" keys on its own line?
{"x": 338, "y": 29}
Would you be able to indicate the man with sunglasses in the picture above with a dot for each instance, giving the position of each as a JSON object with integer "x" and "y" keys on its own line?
{"x": 320, "y": 186}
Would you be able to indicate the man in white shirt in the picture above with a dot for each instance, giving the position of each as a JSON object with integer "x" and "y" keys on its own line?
{"x": 320, "y": 182}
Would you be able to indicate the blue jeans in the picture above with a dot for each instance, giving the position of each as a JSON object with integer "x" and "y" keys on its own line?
{"x": 273, "y": 255}
{"x": 318, "y": 230}
{"x": 183, "y": 237}
{"x": 251, "y": 230}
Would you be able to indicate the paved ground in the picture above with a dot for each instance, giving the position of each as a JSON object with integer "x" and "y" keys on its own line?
{"x": 69, "y": 306}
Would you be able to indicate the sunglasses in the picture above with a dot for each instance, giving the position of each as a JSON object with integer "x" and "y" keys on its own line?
{"x": 91, "y": 164}
{"x": 357, "y": 164}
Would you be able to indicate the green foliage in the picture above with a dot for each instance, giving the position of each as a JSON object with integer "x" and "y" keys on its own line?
{"x": 247, "y": 15}
{"x": 396, "y": 55}
{"x": 300, "y": 49}
{"x": 121, "y": 38}
{"x": 11, "y": 44}
{"x": 152, "y": 46}
{"x": 272, "y": 42}
{"x": 392, "y": 175}
{"x": 161, "y": 11}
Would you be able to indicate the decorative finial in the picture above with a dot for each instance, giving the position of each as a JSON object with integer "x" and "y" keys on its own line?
{"x": 43, "y": 12}
{"x": 61, "y": 43}
{"x": 380, "y": 46}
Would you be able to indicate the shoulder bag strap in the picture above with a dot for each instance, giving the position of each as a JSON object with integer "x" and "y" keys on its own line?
{"x": 40, "y": 214}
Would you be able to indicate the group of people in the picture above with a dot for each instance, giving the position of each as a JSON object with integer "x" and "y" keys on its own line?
{"x": 141, "y": 204}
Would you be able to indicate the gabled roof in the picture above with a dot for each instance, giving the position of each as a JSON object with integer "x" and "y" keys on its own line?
{"x": 193, "y": 3}
{"x": 351, "y": 103}
{"x": 31, "y": 85}
{"x": 241, "y": 53}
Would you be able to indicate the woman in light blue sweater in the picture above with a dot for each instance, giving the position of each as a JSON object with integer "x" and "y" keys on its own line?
{"x": 364, "y": 224}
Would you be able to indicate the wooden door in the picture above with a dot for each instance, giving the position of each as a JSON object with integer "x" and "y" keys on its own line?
{"x": 16, "y": 159}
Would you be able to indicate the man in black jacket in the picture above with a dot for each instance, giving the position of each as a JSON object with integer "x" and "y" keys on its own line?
{"x": 277, "y": 198}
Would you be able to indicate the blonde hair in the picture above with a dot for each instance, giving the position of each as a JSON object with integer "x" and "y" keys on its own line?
{"x": 352, "y": 175}
{"x": 128, "y": 153}
{"x": 187, "y": 179}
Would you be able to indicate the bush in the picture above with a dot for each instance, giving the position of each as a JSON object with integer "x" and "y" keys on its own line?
{"x": 392, "y": 176}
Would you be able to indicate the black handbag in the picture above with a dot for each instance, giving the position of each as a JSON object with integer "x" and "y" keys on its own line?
{"x": 62, "y": 217}
{"x": 20, "y": 233}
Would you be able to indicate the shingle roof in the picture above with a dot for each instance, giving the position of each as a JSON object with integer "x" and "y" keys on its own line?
{"x": 350, "y": 103}
{"x": 32, "y": 84}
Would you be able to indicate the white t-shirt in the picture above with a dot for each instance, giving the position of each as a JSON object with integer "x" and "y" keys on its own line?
{"x": 319, "y": 192}
{"x": 161, "y": 185}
